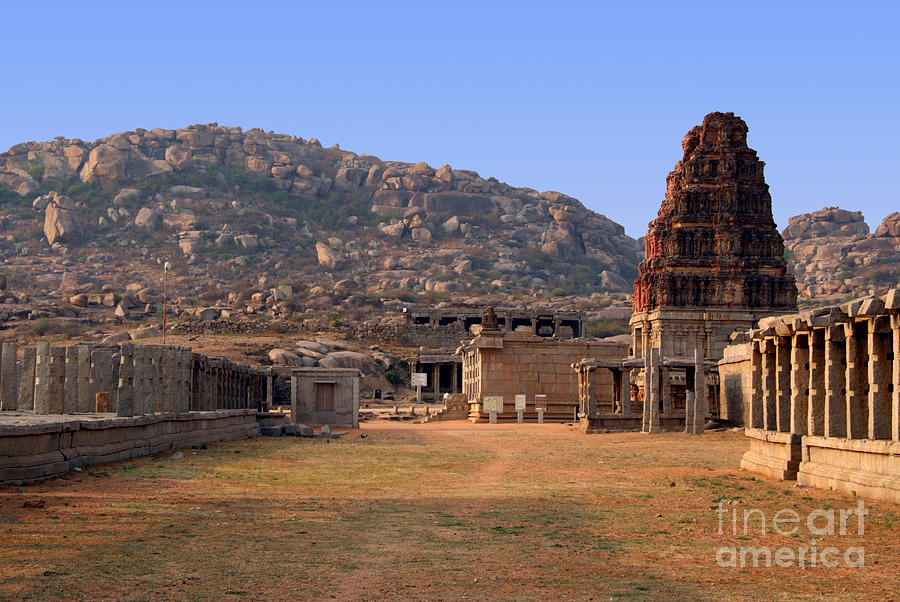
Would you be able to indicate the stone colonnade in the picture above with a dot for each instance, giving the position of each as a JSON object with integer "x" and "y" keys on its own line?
{"x": 128, "y": 380}
{"x": 824, "y": 403}
{"x": 833, "y": 372}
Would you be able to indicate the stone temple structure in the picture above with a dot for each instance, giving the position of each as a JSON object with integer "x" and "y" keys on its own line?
{"x": 714, "y": 263}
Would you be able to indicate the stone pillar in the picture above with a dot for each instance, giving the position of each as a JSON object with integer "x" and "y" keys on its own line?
{"x": 9, "y": 377}
{"x": 756, "y": 418}
{"x": 645, "y": 417}
{"x": 666, "y": 386}
{"x": 139, "y": 389}
{"x": 625, "y": 391}
{"x": 589, "y": 391}
{"x": 783, "y": 383}
{"x": 42, "y": 379}
{"x": 167, "y": 371}
{"x": 767, "y": 349}
{"x": 857, "y": 380}
{"x": 895, "y": 378}
{"x": 186, "y": 376}
{"x": 454, "y": 378}
{"x": 85, "y": 400}
{"x": 800, "y": 383}
{"x": 159, "y": 382}
{"x": 26, "y": 379}
{"x": 57, "y": 379}
{"x": 125, "y": 405}
{"x": 879, "y": 376}
{"x": 653, "y": 399}
{"x": 835, "y": 374}
{"x": 101, "y": 371}
{"x": 816, "y": 403}
{"x": 436, "y": 370}
{"x": 70, "y": 395}
{"x": 270, "y": 390}
{"x": 701, "y": 393}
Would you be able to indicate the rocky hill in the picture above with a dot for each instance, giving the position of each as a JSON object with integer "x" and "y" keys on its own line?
{"x": 255, "y": 221}
{"x": 834, "y": 256}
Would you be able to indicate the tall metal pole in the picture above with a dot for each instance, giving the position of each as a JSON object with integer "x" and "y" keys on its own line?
{"x": 166, "y": 267}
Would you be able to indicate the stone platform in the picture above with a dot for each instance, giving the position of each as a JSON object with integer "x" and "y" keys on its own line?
{"x": 773, "y": 454}
{"x": 603, "y": 423}
{"x": 862, "y": 467}
{"x": 36, "y": 447}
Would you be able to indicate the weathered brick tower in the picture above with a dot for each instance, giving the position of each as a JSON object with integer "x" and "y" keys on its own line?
{"x": 714, "y": 261}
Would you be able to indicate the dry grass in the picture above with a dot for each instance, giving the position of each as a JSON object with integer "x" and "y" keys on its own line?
{"x": 438, "y": 511}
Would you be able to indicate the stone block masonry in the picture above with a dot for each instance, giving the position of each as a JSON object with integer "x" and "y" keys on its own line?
{"x": 44, "y": 448}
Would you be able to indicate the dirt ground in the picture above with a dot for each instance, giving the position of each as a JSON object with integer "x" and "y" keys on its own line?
{"x": 436, "y": 511}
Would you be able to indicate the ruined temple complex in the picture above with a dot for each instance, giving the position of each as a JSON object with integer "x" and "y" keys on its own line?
{"x": 714, "y": 263}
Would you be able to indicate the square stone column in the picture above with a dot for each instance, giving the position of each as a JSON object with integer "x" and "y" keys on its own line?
{"x": 857, "y": 380}
{"x": 9, "y": 376}
{"x": 139, "y": 369}
{"x": 701, "y": 394}
{"x": 783, "y": 383}
{"x": 879, "y": 377}
{"x": 125, "y": 406}
{"x": 186, "y": 374}
{"x": 770, "y": 403}
{"x": 815, "y": 420}
{"x": 756, "y": 418}
{"x": 159, "y": 387}
{"x": 799, "y": 385}
{"x": 26, "y": 379}
{"x": 169, "y": 380}
{"x": 645, "y": 417}
{"x": 57, "y": 379}
{"x": 625, "y": 391}
{"x": 102, "y": 372}
{"x": 895, "y": 377}
{"x": 653, "y": 395}
{"x": 42, "y": 379}
{"x": 70, "y": 396}
{"x": 86, "y": 401}
{"x": 835, "y": 375}
{"x": 666, "y": 387}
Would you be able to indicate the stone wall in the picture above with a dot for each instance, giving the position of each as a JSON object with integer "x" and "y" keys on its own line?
{"x": 36, "y": 449}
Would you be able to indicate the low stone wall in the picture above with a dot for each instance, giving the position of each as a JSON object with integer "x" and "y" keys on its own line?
{"x": 33, "y": 448}
{"x": 861, "y": 467}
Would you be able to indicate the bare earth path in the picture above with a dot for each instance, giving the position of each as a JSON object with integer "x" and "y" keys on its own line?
{"x": 437, "y": 511}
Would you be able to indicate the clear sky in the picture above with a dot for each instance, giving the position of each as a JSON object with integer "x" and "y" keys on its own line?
{"x": 587, "y": 98}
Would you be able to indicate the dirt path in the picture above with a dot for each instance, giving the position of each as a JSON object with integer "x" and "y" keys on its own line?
{"x": 435, "y": 511}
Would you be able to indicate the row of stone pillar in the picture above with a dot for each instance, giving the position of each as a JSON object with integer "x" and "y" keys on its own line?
{"x": 657, "y": 394}
{"x": 219, "y": 384}
{"x": 834, "y": 376}
{"x": 129, "y": 380}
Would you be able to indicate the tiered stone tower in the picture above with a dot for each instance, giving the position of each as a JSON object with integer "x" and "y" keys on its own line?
{"x": 714, "y": 243}
{"x": 714, "y": 261}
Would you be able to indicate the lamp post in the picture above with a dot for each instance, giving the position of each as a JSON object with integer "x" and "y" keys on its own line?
{"x": 166, "y": 267}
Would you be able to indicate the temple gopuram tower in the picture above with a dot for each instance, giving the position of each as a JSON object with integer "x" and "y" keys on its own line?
{"x": 714, "y": 263}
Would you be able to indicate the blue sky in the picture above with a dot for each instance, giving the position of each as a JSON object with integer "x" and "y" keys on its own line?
{"x": 587, "y": 98}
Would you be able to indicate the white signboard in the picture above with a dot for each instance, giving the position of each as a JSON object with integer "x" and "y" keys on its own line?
{"x": 520, "y": 403}
{"x": 419, "y": 379}
{"x": 492, "y": 404}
